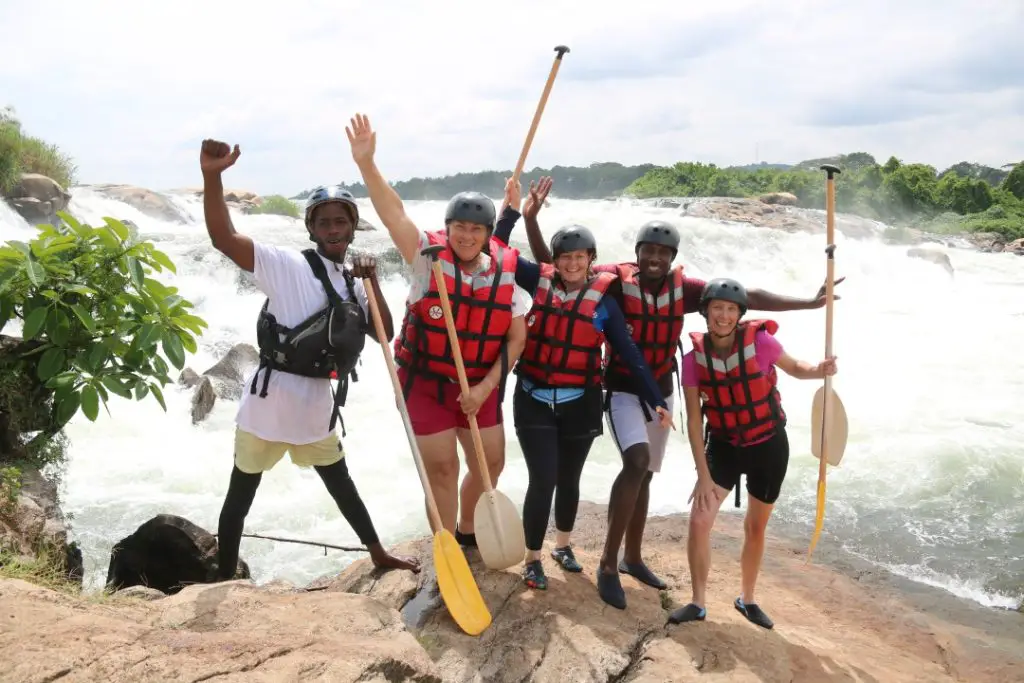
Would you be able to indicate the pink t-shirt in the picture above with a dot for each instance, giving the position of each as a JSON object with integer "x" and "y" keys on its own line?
{"x": 767, "y": 350}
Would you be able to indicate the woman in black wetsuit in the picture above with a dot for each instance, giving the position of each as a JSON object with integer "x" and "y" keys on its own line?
{"x": 558, "y": 400}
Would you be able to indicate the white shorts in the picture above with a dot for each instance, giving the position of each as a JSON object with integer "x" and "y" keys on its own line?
{"x": 628, "y": 426}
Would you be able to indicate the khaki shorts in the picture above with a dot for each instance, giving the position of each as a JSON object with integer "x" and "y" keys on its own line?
{"x": 254, "y": 455}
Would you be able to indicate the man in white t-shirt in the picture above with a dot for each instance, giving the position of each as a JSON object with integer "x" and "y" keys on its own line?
{"x": 313, "y": 323}
{"x": 488, "y": 309}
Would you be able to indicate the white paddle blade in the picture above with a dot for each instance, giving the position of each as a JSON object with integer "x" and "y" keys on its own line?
{"x": 499, "y": 531}
{"x": 838, "y": 426}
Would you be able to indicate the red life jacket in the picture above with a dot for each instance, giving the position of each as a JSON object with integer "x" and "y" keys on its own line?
{"x": 655, "y": 324}
{"x": 740, "y": 402}
{"x": 481, "y": 307}
{"x": 562, "y": 346}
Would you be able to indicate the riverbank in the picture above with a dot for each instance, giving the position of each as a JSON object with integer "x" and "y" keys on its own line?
{"x": 831, "y": 625}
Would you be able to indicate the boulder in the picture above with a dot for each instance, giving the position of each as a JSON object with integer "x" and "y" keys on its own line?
{"x": 224, "y": 379}
{"x": 777, "y": 216}
{"x": 148, "y": 202}
{"x": 166, "y": 553}
{"x": 782, "y": 198}
{"x": 33, "y": 525}
{"x": 937, "y": 257}
{"x": 38, "y": 198}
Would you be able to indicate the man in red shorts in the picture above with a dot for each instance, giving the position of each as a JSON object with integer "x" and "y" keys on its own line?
{"x": 488, "y": 309}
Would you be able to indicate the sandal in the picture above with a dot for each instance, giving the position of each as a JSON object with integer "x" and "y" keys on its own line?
{"x": 533, "y": 575}
{"x": 564, "y": 556}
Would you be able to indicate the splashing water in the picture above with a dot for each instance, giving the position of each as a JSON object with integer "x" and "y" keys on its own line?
{"x": 931, "y": 486}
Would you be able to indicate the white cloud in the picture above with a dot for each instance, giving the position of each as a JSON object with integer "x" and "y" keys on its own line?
{"x": 130, "y": 89}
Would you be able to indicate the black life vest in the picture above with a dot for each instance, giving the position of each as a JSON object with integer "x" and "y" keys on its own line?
{"x": 324, "y": 344}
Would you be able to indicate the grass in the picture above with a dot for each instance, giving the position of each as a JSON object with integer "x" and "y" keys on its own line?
{"x": 277, "y": 205}
{"x": 47, "y": 569}
{"x": 23, "y": 153}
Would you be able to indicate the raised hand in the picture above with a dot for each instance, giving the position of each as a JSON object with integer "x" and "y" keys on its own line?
{"x": 513, "y": 193}
{"x": 535, "y": 200}
{"x": 216, "y": 156}
{"x": 362, "y": 138}
{"x": 364, "y": 265}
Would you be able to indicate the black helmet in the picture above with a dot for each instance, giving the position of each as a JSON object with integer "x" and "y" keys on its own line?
{"x": 334, "y": 193}
{"x": 573, "y": 238}
{"x": 658, "y": 232}
{"x": 725, "y": 289}
{"x": 471, "y": 207}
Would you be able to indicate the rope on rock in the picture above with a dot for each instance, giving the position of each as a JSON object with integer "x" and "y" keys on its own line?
{"x": 325, "y": 546}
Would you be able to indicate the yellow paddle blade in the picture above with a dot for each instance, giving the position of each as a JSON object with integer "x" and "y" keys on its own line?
{"x": 458, "y": 587}
{"x": 819, "y": 518}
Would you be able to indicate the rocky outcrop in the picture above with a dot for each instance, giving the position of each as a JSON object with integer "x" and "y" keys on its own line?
{"x": 32, "y": 525}
{"x": 781, "y": 198}
{"x": 148, "y": 202}
{"x": 994, "y": 243}
{"x": 166, "y": 554}
{"x": 938, "y": 257}
{"x": 222, "y": 380}
{"x": 243, "y": 201}
{"x": 38, "y": 198}
{"x": 778, "y": 216}
{"x": 370, "y": 625}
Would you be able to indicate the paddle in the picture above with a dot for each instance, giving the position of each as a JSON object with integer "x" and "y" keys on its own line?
{"x": 828, "y": 416}
{"x": 499, "y": 530}
{"x": 560, "y": 51}
{"x": 458, "y": 587}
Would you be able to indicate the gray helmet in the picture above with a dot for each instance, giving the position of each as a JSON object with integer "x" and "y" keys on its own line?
{"x": 658, "y": 232}
{"x": 471, "y": 207}
{"x": 572, "y": 238}
{"x": 334, "y": 193}
{"x": 725, "y": 289}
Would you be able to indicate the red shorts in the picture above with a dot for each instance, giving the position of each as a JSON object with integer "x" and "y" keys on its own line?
{"x": 428, "y": 416}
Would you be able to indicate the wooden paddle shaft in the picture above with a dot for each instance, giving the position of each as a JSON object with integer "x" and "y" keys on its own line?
{"x": 378, "y": 324}
{"x": 453, "y": 338}
{"x": 560, "y": 51}
{"x": 830, "y": 265}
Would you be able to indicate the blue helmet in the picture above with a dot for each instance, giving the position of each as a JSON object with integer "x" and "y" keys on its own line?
{"x": 334, "y": 193}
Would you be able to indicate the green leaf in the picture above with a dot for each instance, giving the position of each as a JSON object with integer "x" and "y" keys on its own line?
{"x": 20, "y": 246}
{"x": 90, "y": 402}
{"x": 83, "y": 315}
{"x": 81, "y": 289}
{"x": 72, "y": 222}
{"x": 102, "y": 391}
{"x": 163, "y": 259}
{"x": 115, "y": 385}
{"x": 187, "y": 341}
{"x": 36, "y": 273}
{"x": 147, "y": 334}
{"x": 107, "y": 236}
{"x": 51, "y": 362}
{"x": 97, "y": 354}
{"x": 6, "y": 275}
{"x": 141, "y": 391}
{"x": 119, "y": 228}
{"x": 173, "y": 349}
{"x": 62, "y": 381}
{"x": 135, "y": 272}
{"x": 34, "y": 323}
{"x": 159, "y": 395}
{"x": 58, "y": 327}
{"x": 192, "y": 322}
{"x": 66, "y": 407}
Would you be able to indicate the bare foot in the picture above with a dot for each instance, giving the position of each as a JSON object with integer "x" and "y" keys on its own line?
{"x": 386, "y": 560}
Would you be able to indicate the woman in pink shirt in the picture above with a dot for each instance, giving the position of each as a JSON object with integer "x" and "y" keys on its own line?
{"x": 729, "y": 378}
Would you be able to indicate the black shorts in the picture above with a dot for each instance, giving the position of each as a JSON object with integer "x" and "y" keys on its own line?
{"x": 764, "y": 464}
{"x": 577, "y": 419}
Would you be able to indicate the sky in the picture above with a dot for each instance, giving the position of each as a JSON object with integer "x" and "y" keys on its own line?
{"x": 130, "y": 89}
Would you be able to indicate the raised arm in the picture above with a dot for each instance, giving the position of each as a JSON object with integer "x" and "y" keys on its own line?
{"x": 215, "y": 157}
{"x": 761, "y": 300}
{"x": 534, "y": 203}
{"x": 385, "y": 200}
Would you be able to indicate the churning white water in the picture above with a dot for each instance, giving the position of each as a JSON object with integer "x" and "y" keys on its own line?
{"x": 931, "y": 487}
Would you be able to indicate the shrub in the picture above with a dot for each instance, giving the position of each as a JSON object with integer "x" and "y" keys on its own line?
{"x": 277, "y": 205}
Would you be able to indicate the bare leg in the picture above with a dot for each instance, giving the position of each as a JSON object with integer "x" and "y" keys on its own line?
{"x": 441, "y": 460}
{"x": 472, "y": 488}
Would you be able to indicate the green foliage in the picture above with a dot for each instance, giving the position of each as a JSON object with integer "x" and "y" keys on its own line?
{"x": 277, "y": 205}
{"x": 21, "y": 153}
{"x": 606, "y": 179}
{"x": 1014, "y": 181}
{"x": 960, "y": 199}
{"x": 94, "y": 317}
